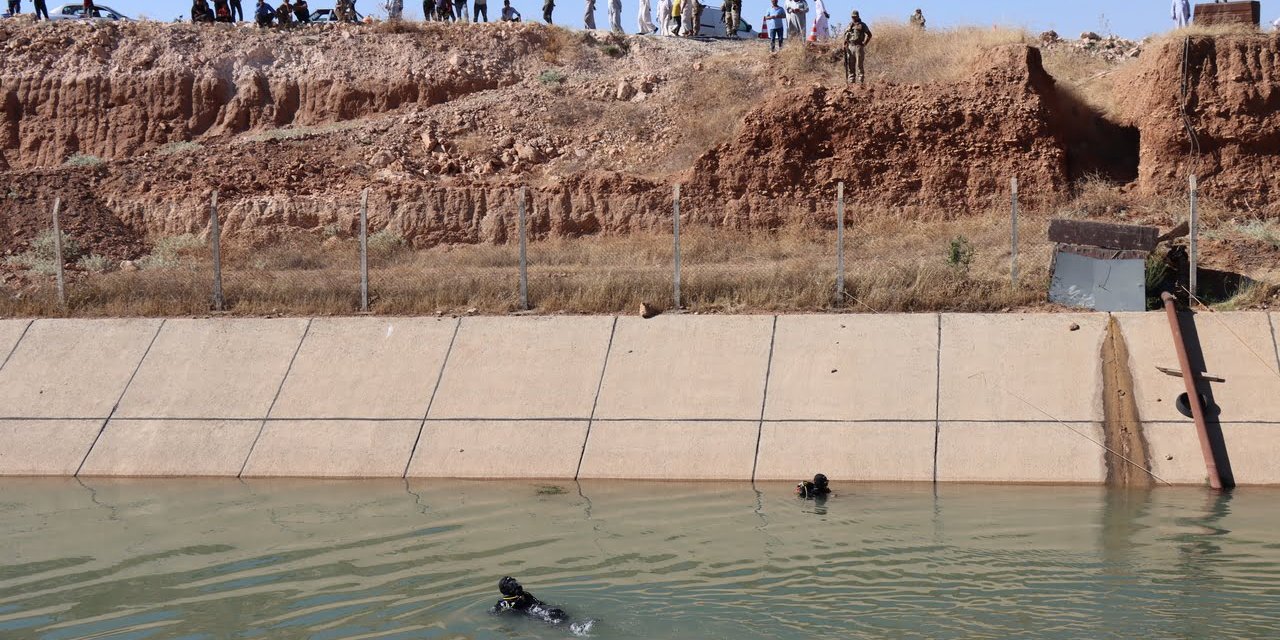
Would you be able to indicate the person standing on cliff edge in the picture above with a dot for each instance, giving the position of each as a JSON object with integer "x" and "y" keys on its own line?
{"x": 1181, "y": 13}
{"x": 237, "y": 11}
{"x": 917, "y": 20}
{"x": 547, "y": 7}
{"x": 40, "y": 9}
{"x": 856, "y": 39}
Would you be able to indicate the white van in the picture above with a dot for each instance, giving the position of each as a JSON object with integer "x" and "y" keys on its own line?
{"x": 712, "y": 25}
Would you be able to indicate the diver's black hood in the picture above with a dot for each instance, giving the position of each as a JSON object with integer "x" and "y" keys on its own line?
{"x": 510, "y": 587}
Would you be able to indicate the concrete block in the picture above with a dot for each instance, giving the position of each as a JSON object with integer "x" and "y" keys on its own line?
{"x": 1252, "y": 448}
{"x": 1020, "y": 367}
{"x": 366, "y": 368}
{"x": 687, "y": 367}
{"x": 73, "y": 368}
{"x": 854, "y": 367}
{"x": 862, "y": 451}
{"x": 45, "y": 447}
{"x": 671, "y": 450}
{"x": 524, "y": 367}
{"x": 1237, "y": 346}
{"x": 499, "y": 449}
{"x": 10, "y": 333}
{"x": 333, "y": 448}
{"x": 172, "y": 448}
{"x": 220, "y": 368}
{"x": 1021, "y": 452}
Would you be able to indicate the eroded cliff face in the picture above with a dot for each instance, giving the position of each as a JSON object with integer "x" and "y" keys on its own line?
{"x": 1233, "y": 105}
{"x": 444, "y": 123}
{"x": 114, "y": 92}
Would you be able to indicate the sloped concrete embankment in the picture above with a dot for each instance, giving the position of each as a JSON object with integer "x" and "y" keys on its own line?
{"x": 950, "y": 398}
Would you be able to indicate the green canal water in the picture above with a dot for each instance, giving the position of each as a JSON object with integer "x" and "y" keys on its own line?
{"x": 325, "y": 560}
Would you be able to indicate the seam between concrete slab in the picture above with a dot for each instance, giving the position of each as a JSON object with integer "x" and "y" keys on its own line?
{"x": 16, "y": 343}
{"x": 594, "y": 403}
{"x": 120, "y": 397}
{"x": 262, "y": 427}
{"x": 937, "y": 401}
{"x": 422, "y": 426}
{"x": 764, "y": 400}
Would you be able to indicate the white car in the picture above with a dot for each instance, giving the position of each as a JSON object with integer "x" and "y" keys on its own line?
{"x": 76, "y": 12}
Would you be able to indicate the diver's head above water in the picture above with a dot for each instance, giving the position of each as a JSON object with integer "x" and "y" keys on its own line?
{"x": 820, "y": 481}
{"x": 510, "y": 587}
{"x": 816, "y": 489}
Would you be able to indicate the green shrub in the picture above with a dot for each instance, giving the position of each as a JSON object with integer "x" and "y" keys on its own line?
{"x": 174, "y": 148}
{"x": 94, "y": 263}
{"x": 83, "y": 160}
{"x": 170, "y": 251}
{"x": 385, "y": 242}
{"x": 42, "y": 256}
{"x": 551, "y": 78}
{"x": 960, "y": 254}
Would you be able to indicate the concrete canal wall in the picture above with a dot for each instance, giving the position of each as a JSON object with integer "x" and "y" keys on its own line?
{"x": 947, "y": 398}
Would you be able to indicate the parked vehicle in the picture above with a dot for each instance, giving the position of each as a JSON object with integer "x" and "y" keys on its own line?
{"x": 76, "y": 12}
{"x": 712, "y": 25}
{"x": 329, "y": 15}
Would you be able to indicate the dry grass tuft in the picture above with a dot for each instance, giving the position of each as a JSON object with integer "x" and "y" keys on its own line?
{"x": 902, "y": 54}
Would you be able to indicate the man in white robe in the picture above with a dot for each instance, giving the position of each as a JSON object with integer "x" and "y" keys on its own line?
{"x": 615, "y": 16}
{"x": 797, "y": 10}
{"x": 1181, "y": 12}
{"x": 589, "y": 18}
{"x": 822, "y": 18}
{"x": 664, "y": 17}
{"x": 645, "y": 20}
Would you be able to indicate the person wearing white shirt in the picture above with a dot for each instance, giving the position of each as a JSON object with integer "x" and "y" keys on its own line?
{"x": 797, "y": 10}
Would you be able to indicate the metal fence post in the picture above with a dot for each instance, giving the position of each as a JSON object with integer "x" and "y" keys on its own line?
{"x": 1013, "y": 225}
{"x": 364, "y": 250}
{"x": 57, "y": 254}
{"x": 215, "y": 240}
{"x": 840, "y": 243}
{"x": 1195, "y": 239}
{"x": 524, "y": 255}
{"x": 675, "y": 225}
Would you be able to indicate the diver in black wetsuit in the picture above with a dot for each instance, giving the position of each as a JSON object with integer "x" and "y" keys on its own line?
{"x": 515, "y": 598}
{"x": 816, "y": 489}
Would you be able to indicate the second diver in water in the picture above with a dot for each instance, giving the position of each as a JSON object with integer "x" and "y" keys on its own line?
{"x": 515, "y": 598}
{"x": 816, "y": 489}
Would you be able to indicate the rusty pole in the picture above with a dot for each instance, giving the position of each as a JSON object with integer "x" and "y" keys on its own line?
{"x": 1189, "y": 378}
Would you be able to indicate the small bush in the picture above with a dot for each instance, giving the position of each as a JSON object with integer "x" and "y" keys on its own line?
{"x": 174, "y": 148}
{"x": 42, "y": 256}
{"x": 1266, "y": 232}
{"x": 83, "y": 160}
{"x": 960, "y": 254}
{"x": 613, "y": 50}
{"x": 551, "y": 78}
{"x": 94, "y": 263}
{"x": 385, "y": 243}
{"x": 171, "y": 251}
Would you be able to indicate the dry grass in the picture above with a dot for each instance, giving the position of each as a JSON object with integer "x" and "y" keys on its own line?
{"x": 900, "y": 53}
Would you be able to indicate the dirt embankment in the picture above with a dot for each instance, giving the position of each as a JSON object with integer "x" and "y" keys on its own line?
{"x": 1232, "y": 105}
{"x": 444, "y": 122}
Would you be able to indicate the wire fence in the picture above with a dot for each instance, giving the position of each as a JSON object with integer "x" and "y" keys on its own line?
{"x": 988, "y": 262}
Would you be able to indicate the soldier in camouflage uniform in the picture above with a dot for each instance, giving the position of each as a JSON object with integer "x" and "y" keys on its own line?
{"x": 732, "y": 14}
{"x": 856, "y": 38}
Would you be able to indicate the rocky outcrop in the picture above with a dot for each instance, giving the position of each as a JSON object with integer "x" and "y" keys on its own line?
{"x": 1233, "y": 106}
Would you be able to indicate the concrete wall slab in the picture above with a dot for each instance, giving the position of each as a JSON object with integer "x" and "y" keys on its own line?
{"x": 687, "y": 367}
{"x": 499, "y": 449}
{"x": 1020, "y": 452}
{"x": 73, "y": 368}
{"x": 333, "y": 448}
{"x": 854, "y": 367}
{"x": 220, "y": 368}
{"x": 10, "y": 332}
{"x": 670, "y": 450}
{"x": 45, "y": 447}
{"x": 862, "y": 451}
{"x": 172, "y": 448}
{"x": 1236, "y": 346}
{"x": 1252, "y": 449}
{"x": 1021, "y": 367}
{"x": 524, "y": 367}
{"x": 366, "y": 368}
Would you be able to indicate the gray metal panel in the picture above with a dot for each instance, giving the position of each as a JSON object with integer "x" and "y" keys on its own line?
{"x": 1101, "y": 285}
